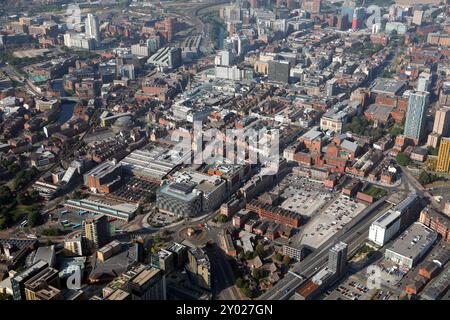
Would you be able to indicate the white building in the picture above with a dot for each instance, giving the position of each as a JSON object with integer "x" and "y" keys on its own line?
{"x": 92, "y": 27}
{"x": 385, "y": 227}
{"x": 79, "y": 41}
{"x": 411, "y": 245}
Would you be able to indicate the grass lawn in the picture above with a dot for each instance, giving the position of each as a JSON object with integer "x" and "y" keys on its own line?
{"x": 375, "y": 192}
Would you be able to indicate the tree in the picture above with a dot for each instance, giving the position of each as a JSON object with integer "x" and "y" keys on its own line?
{"x": 403, "y": 159}
{"x": 222, "y": 218}
{"x": 240, "y": 283}
{"x": 139, "y": 210}
{"x": 278, "y": 257}
{"x": 259, "y": 273}
{"x": 5, "y": 195}
{"x": 33, "y": 218}
{"x": 286, "y": 260}
{"x": 259, "y": 250}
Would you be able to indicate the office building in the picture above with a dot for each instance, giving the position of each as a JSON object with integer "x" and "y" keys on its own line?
{"x": 411, "y": 245}
{"x": 140, "y": 282}
{"x": 96, "y": 231}
{"x": 43, "y": 286}
{"x": 141, "y": 50}
{"x": 179, "y": 254}
{"x": 443, "y": 159}
{"x": 104, "y": 178}
{"x": 18, "y": 281}
{"x": 425, "y": 81}
{"x": 180, "y": 199}
{"x": 385, "y": 227}
{"x": 109, "y": 250}
{"x": 417, "y": 17}
{"x": 78, "y": 41}
{"x": 199, "y": 268}
{"x": 148, "y": 284}
{"x": 111, "y": 208}
{"x": 74, "y": 244}
{"x": 337, "y": 258}
{"x": 358, "y": 18}
{"x": 416, "y": 114}
{"x": 166, "y": 58}
{"x": 278, "y": 71}
{"x": 127, "y": 72}
{"x": 92, "y": 27}
{"x": 164, "y": 260}
{"x": 436, "y": 221}
{"x": 442, "y": 122}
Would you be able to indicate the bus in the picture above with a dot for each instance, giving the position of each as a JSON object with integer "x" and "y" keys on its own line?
{"x": 76, "y": 226}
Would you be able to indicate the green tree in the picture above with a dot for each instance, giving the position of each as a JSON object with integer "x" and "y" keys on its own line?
{"x": 222, "y": 218}
{"x": 286, "y": 260}
{"x": 33, "y": 218}
{"x": 278, "y": 257}
{"x": 259, "y": 273}
{"x": 240, "y": 283}
{"x": 5, "y": 195}
{"x": 403, "y": 159}
{"x": 259, "y": 250}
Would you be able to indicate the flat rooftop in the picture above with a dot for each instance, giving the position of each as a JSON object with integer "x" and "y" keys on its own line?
{"x": 413, "y": 240}
{"x": 389, "y": 86}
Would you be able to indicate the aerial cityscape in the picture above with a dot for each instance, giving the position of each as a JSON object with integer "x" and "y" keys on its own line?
{"x": 245, "y": 150}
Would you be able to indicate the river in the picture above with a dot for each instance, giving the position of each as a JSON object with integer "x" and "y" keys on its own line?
{"x": 66, "y": 107}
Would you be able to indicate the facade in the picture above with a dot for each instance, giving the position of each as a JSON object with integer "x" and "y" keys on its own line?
{"x": 436, "y": 221}
{"x": 78, "y": 41}
{"x": 104, "y": 178}
{"x": 199, "y": 267}
{"x": 92, "y": 27}
{"x": 442, "y": 122}
{"x": 19, "y": 280}
{"x": 149, "y": 284}
{"x": 411, "y": 246}
{"x": 337, "y": 258}
{"x": 180, "y": 199}
{"x": 118, "y": 210}
{"x": 385, "y": 227}
{"x": 415, "y": 116}
{"x": 443, "y": 159}
{"x": 279, "y": 71}
{"x": 96, "y": 232}
{"x": 276, "y": 214}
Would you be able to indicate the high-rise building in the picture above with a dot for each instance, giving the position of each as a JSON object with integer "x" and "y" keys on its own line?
{"x": 149, "y": 284}
{"x": 279, "y": 71}
{"x": 442, "y": 121}
{"x": 18, "y": 281}
{"x": 358, "y": 18}
{"x": 96, "y": 231}
{"x": 415, "y": 115}
{"x": 417, "y": 17}
{"x": 199, "y": 267}
{"x": 92, "y": 27}
{"x": 443, "y": 159}
{"x": 347, "y": 9}
{"x": 337, "y": 258}
{"x": 45, "y": 285}
{"x": 424, "y": 82}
